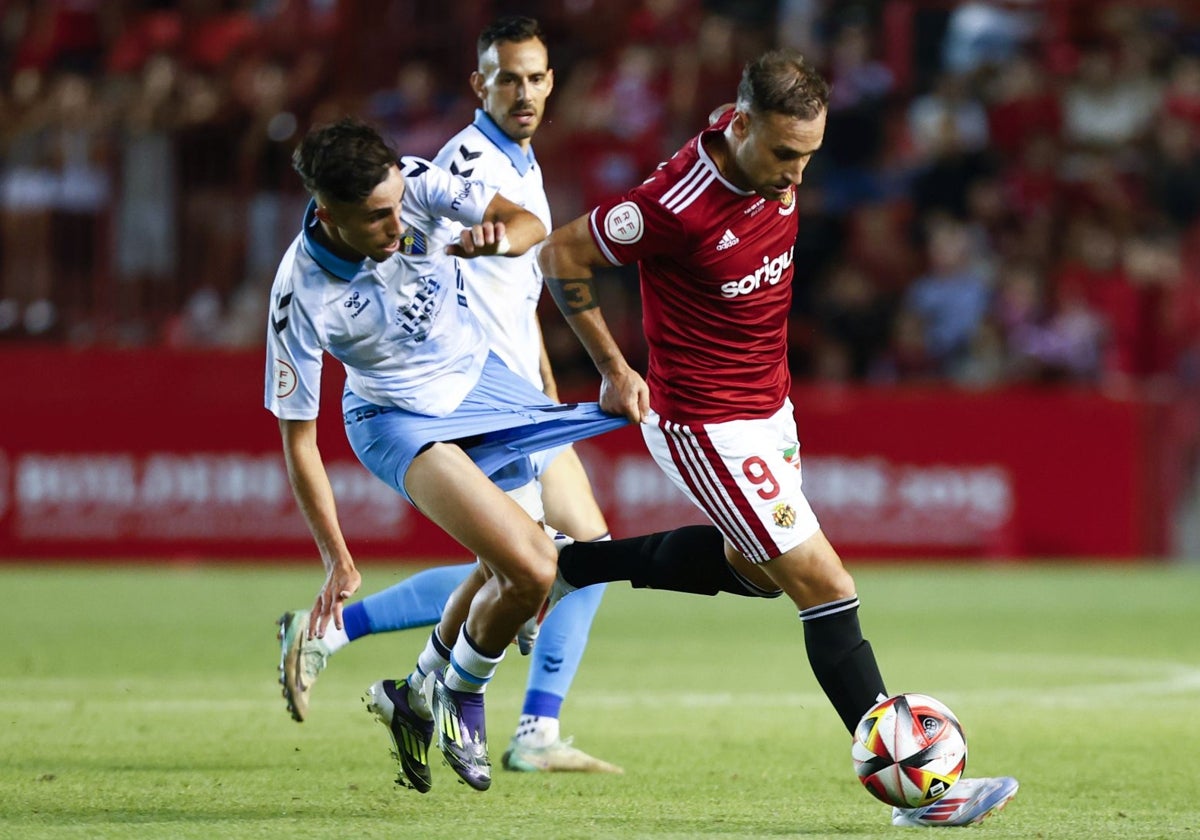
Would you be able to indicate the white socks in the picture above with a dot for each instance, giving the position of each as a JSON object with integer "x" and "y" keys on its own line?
{"x": 536, "y": 731}
{"x": 470, "y": 670}
{"x": 334, "y": 639}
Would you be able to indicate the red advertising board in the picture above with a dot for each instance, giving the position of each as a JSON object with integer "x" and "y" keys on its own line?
{"x": 149, "y": 453}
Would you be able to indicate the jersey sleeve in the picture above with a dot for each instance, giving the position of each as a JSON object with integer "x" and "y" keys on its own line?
{"x": 637, "y": 225}
{"x": 444, "y": 195}
{"x": 294, "y": 359}
{"x": 459, "y": 158}
{"x": 449, "y": 158}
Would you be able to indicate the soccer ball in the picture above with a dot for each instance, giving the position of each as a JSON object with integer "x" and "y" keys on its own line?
{"x": 908, "y": 750}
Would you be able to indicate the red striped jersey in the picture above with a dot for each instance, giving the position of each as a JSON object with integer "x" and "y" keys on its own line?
{"x": 716, "y": 278}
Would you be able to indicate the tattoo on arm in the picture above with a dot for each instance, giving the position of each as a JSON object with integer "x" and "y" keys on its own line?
{"x": 573, "y": 296}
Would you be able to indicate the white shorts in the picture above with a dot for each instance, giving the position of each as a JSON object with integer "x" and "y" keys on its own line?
{"x": 541, "y": 460}
{"x": 744, "y": 474}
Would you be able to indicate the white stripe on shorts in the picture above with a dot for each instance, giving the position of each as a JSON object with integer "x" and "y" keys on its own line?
{"x": 705, "y": 482}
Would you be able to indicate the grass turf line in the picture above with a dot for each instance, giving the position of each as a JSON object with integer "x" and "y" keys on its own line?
{"x": 141, "y": 702}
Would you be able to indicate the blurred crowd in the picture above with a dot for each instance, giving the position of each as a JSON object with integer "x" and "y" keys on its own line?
{"x": 1009, "y": 191}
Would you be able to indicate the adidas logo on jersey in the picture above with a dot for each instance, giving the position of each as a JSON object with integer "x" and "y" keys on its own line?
{"x": 728, "y": 240}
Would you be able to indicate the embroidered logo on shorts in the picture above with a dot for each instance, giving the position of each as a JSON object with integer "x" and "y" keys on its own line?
{"x": 792, "y": 455}
{"x": 784, "y": 515}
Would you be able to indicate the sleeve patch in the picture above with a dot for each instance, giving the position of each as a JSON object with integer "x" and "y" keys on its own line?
{"x": 285, "y": 379}
{"x": 623, "y": 224}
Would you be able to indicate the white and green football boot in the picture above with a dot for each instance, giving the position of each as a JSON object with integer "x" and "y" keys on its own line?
{"x": 559, "y": 756}
{"x": 301, "y": 661}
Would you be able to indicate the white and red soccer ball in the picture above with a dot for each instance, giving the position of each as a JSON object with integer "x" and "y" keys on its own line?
{"x": 908, "y": 750}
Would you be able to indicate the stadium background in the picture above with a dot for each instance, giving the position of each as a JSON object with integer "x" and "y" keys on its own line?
{"x": 996, "y": 331}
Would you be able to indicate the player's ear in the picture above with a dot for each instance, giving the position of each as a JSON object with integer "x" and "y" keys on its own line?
{"x": 323, "y": 215}
{"x": 740, "y": 124}
{"x": 477, "y": 84}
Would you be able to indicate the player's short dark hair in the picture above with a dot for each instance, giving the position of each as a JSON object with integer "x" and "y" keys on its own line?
{"x": 509, "y": 29}
{"x": 781, "y": 82}
{"x": 344, "y": 161}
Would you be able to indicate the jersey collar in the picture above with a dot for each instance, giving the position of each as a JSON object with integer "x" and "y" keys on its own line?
{"x": 337, "y": 266}
{"x": 718, "y": 126}
{"x": 522, "y": 159}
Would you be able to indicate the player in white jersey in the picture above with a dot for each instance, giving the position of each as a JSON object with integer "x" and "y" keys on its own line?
{"x": 427, "y": 408}
{"x": 512, "y": 82}
{"x": 712, "y": 231}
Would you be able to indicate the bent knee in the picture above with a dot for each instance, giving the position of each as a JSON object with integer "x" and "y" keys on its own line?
{"x": 812, "y": 573}
{"x": 835, "y": 586}
{"x": 528, "y": 582}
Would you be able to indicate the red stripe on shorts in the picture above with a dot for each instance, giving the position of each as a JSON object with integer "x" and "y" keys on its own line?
{"x": 706, "y": 475}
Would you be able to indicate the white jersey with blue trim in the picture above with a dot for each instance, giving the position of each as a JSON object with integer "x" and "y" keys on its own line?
{"x": 503, "y": 291}
{"x": 402, "y": 328}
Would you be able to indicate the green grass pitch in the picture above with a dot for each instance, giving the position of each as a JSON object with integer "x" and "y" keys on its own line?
{"x": 141, "y": 702}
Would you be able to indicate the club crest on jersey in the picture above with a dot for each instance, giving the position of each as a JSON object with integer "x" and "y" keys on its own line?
{"x": 787, "y": 204}
{"x": 412, "y": 243}
{"x": 784, "y": 515}
{"x": 623, "y": 224}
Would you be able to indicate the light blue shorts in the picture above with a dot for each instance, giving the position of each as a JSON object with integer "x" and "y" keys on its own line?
{"x": 499, "y": 424}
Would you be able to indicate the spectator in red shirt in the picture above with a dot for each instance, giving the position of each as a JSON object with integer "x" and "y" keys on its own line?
{"x": 1024, "y": 107}
{"x": 1182, "y": 96}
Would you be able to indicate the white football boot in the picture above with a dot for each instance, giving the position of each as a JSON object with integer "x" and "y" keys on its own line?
{"x": 968, "y": 802}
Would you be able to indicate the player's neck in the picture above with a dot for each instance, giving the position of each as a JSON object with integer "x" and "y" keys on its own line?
{"x": 720, "y": 149}
{"x": 327, "y": 236}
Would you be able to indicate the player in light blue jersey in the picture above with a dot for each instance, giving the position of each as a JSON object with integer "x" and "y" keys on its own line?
{"x": 427, "y": 408}
{"x": 512, "y": 82}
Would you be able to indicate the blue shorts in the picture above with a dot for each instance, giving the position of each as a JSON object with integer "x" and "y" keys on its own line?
{"x": 500, "y": 422}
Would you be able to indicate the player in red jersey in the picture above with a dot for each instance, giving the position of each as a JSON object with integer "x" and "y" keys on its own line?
{"x": 712, "y": 231}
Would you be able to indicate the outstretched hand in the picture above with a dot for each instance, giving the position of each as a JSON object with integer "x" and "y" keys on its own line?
{"x": 340, "y": 584}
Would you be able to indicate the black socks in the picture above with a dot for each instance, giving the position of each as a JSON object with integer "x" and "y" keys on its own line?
{"x": 841, "y": 659}
{"x": 689, "y": 559}
{"x": 692, "y": 559}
